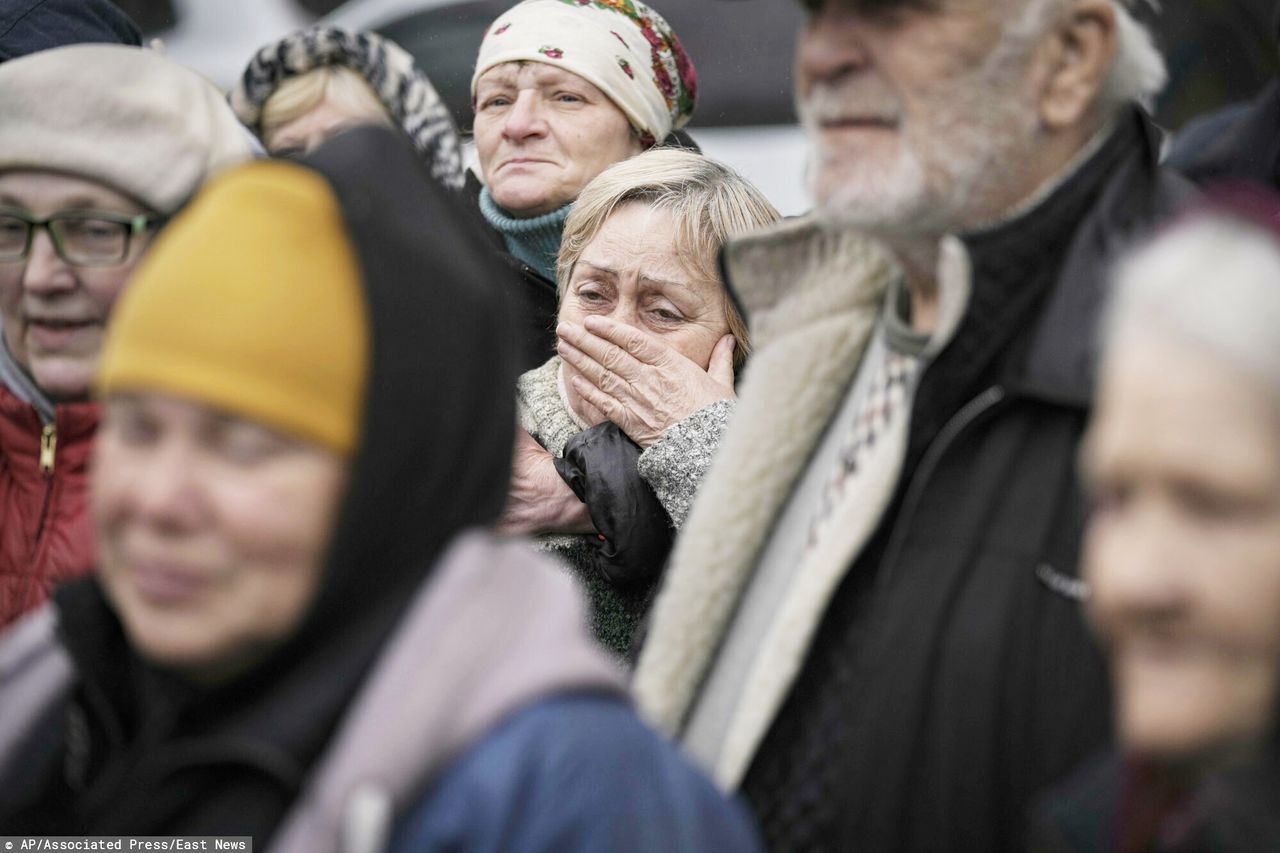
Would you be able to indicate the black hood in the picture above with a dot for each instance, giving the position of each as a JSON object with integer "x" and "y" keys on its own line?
{"x": 439, "y": 420}
{"x": 28, "y": 26}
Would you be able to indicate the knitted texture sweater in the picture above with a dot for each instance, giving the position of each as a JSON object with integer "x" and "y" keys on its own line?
{"x": 673, "y": 467}
{"x": 536, "y": 240}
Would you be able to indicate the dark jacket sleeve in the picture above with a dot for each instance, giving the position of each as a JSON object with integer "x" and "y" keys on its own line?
{"x": 601, "y": 465}
{"x": 29, "y": 26}
{"x": 575, "y": 774}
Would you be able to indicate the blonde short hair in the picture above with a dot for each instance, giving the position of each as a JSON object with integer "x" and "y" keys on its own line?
{"x": 297, "y": 96}
{"x": 709, "y": 204}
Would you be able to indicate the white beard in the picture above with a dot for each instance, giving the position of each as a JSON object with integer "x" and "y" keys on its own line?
{"x": 959, "y": 152}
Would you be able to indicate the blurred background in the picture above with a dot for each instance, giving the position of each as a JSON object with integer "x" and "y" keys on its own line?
{"x": 1219, "y": 52}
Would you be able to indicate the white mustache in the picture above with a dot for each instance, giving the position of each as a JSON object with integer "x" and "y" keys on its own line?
{"x": 826, "y": 103}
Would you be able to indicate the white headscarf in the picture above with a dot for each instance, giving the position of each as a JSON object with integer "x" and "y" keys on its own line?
{"x": 622, "y": 47}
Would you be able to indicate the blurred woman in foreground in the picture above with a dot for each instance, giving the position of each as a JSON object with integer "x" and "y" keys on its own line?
{"x": 1183, "y": 547}
{"x": 303, "y": 631}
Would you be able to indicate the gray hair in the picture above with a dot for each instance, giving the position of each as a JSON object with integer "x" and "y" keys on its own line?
{"x": 709, "y": 203}
{"x": 1138, "y": 72}
{"x": 1212, "y": 281}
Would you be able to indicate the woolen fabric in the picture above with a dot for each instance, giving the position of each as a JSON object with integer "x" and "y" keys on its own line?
{"x": 201, "y": 318}
{"x": 672, "y": 469}
{"x": 534, "y": 240}
{"x": 129, "y": 118}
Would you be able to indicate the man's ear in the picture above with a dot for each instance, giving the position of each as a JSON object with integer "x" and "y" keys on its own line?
{"x": 1078, "y": 58}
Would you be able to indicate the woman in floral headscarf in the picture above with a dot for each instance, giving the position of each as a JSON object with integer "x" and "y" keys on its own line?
{"x": 562, "y": 90}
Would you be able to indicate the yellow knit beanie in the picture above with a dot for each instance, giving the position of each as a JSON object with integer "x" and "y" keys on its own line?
{"x": 251, "y": 301}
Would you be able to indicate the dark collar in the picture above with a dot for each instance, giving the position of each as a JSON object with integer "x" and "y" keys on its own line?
{"x": 1016, "y": 270}
{"x": 471, "y": 188}
{"x": 1249, "y": 148}
{"x": 1037, "y": 284}
{"x": 272, "y": 724}
{"x": 1133, "y": 195}
{"x": 1039, "y": 281}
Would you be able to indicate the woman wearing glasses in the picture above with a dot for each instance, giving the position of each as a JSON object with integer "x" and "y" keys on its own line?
{"x": 99, "y": 145}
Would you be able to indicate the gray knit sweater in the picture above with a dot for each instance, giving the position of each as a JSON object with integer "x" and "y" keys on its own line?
{"x": 673, "y": 467}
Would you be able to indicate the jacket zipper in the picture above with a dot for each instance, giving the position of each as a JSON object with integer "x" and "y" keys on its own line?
{"x": 968, "y": 415}
{"x": 48, "y": 455}
{"x": 48, "y": 448}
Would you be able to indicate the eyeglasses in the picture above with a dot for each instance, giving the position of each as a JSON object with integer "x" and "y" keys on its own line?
{"x": 83, "y": 238}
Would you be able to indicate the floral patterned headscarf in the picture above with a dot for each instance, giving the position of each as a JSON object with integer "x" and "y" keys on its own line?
{"x": 623, "y": 47}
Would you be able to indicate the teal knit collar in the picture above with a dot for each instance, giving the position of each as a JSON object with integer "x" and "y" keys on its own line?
{"x": 535, "y": 240}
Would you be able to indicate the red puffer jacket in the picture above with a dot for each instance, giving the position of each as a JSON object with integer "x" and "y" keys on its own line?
{"x": 45, "y": 534}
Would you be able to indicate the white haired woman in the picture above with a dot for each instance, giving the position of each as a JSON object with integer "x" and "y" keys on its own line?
{"x": 1182, "y": 555}
{"x": 563, "y": 90}
{"x": 635, "y": 401}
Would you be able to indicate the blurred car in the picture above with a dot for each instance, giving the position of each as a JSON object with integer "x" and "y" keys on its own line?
{"x": 217, "y": 37}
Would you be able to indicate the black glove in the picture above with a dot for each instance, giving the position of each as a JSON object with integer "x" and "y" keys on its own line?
{"x": 601, "y": 466}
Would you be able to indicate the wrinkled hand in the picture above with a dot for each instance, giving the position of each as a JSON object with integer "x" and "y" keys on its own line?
{"x": 539, "y": 500}
{"x": 637, "y": 381}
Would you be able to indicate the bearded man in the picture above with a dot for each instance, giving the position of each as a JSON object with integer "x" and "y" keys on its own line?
{"x": 871, "y": 624}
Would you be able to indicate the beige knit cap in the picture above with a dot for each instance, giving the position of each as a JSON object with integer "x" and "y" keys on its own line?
{"x": 124, "y": 116}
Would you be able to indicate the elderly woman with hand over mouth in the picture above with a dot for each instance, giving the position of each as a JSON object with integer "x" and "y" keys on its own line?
{"x": 1182, "y": 551}
{"x": 635, "y": 401}
{"x": 562, "y": 90}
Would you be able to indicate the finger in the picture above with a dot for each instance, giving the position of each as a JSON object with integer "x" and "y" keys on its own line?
{"x": 721, "y": 367}
{"x": 606, "y": 354}
{"x": 605, "y": 404}
{"x": 635, "y": 342}
{"x": 588, "y": 415}
{"x": 591, "y": 370}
